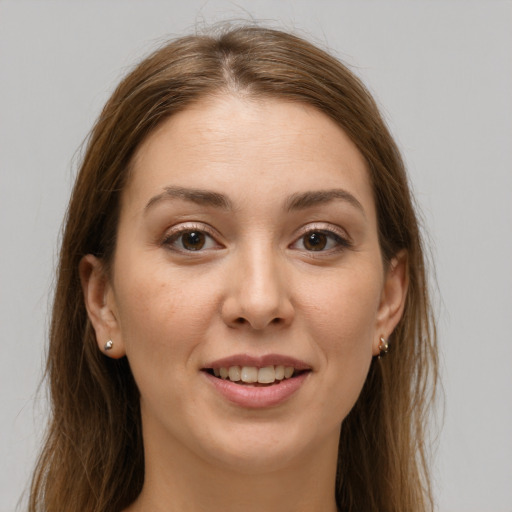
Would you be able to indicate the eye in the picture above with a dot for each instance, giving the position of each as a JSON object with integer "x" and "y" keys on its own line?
{"x": 318, "y": 240}
{"x": 190, "y": 239}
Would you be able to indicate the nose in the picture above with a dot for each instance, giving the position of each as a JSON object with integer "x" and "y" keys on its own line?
{"x": 258, "y": 292}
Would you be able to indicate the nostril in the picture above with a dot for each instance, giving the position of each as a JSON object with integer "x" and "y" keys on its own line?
{"x": 241, "y": 321}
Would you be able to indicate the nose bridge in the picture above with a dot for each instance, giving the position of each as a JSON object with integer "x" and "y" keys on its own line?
{"x": 260, "y": 293}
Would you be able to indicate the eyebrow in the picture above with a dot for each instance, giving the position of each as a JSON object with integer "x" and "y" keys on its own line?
{"x": 313, "y": 198}
{"x": 300, "y": 201}
{"x": 194, "y": 195}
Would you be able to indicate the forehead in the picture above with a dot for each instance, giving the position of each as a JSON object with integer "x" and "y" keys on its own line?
{"x": 265, "y": 146}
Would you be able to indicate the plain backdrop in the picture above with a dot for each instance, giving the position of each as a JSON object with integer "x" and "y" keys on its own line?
{"x": 442, "y": 73}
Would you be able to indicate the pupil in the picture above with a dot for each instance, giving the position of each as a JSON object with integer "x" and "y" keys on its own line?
{"x": 193, "y": 241}
{"x": 315, "y": 241}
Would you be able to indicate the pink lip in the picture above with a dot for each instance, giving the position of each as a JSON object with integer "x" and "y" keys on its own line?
{"x": 258, "y": 361}
{"x": 253, "y": 397}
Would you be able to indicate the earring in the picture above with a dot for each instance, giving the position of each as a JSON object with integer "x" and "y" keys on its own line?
{"x": 383, "y": 347}
{"x": 108, "y": 345}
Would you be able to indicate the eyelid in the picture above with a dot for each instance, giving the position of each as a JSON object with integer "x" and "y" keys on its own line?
{"x": 324, "y": 227}
{"x": 342, "y": 237}
{"x": 176, "y": 231}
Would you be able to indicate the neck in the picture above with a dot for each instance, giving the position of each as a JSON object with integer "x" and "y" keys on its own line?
{"x": 176, "y": 481}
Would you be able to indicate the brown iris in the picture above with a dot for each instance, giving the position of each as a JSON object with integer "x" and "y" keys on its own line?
{"x": 315, "y": 241}
{"x": 193, "y": 240}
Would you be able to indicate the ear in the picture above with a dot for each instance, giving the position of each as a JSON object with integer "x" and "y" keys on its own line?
{"x": 394, "y": 294}
{"x": 100, "y": 304}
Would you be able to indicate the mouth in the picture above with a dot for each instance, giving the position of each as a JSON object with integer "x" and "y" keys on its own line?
{"x": 257, "y": 382}
{"x": 255, "y": 376}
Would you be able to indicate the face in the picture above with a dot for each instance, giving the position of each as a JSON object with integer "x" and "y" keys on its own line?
{"x": 247, "y": 250}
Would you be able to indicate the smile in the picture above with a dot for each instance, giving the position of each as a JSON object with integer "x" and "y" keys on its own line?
{"x": 257, "y": 381}
{"x": 267, "y": 375}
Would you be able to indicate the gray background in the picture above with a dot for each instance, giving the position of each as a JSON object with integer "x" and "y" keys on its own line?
{"x": 442, "y": 72}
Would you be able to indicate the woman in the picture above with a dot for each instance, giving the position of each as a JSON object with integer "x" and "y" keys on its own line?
{"x": 240, "y": 250}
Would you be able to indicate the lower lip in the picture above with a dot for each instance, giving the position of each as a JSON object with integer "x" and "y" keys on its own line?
{"x": 253, "y": 397}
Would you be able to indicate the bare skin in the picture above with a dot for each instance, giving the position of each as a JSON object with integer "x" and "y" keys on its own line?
{"x": 248, "y": 229}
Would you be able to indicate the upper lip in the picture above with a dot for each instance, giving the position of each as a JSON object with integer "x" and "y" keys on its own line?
{"x": 258, "y": 361}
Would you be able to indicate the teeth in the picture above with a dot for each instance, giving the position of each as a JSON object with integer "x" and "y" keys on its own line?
{"x": 288, "y": 372}
{"x": 252, "y": 374}
{"x": 234, "y": 373}
{"x": 249, "y": 374}
{"x": 266, "y": 375}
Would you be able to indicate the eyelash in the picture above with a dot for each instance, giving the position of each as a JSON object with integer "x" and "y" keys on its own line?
{"x": 174, "y": 236}
{"x": 341, "y": 242}
{"x": 333, "y": 237}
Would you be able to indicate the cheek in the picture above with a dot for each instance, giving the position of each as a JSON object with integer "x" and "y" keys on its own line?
{"x": 342, "y": 319}
{"x": 163, "y": 316}
{"x": 344, "y": 309}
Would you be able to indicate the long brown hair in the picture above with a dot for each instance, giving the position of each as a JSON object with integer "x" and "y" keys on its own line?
{"x": 93, "y": 457}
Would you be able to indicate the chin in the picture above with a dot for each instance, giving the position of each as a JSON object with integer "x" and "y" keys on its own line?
{"x": 257, "y": 460}
{"x": 262, "y": 448}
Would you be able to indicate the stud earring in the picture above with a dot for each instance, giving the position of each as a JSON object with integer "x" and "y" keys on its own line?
{"x": 108, "y": 345}
{"x": 383, "y": 347}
